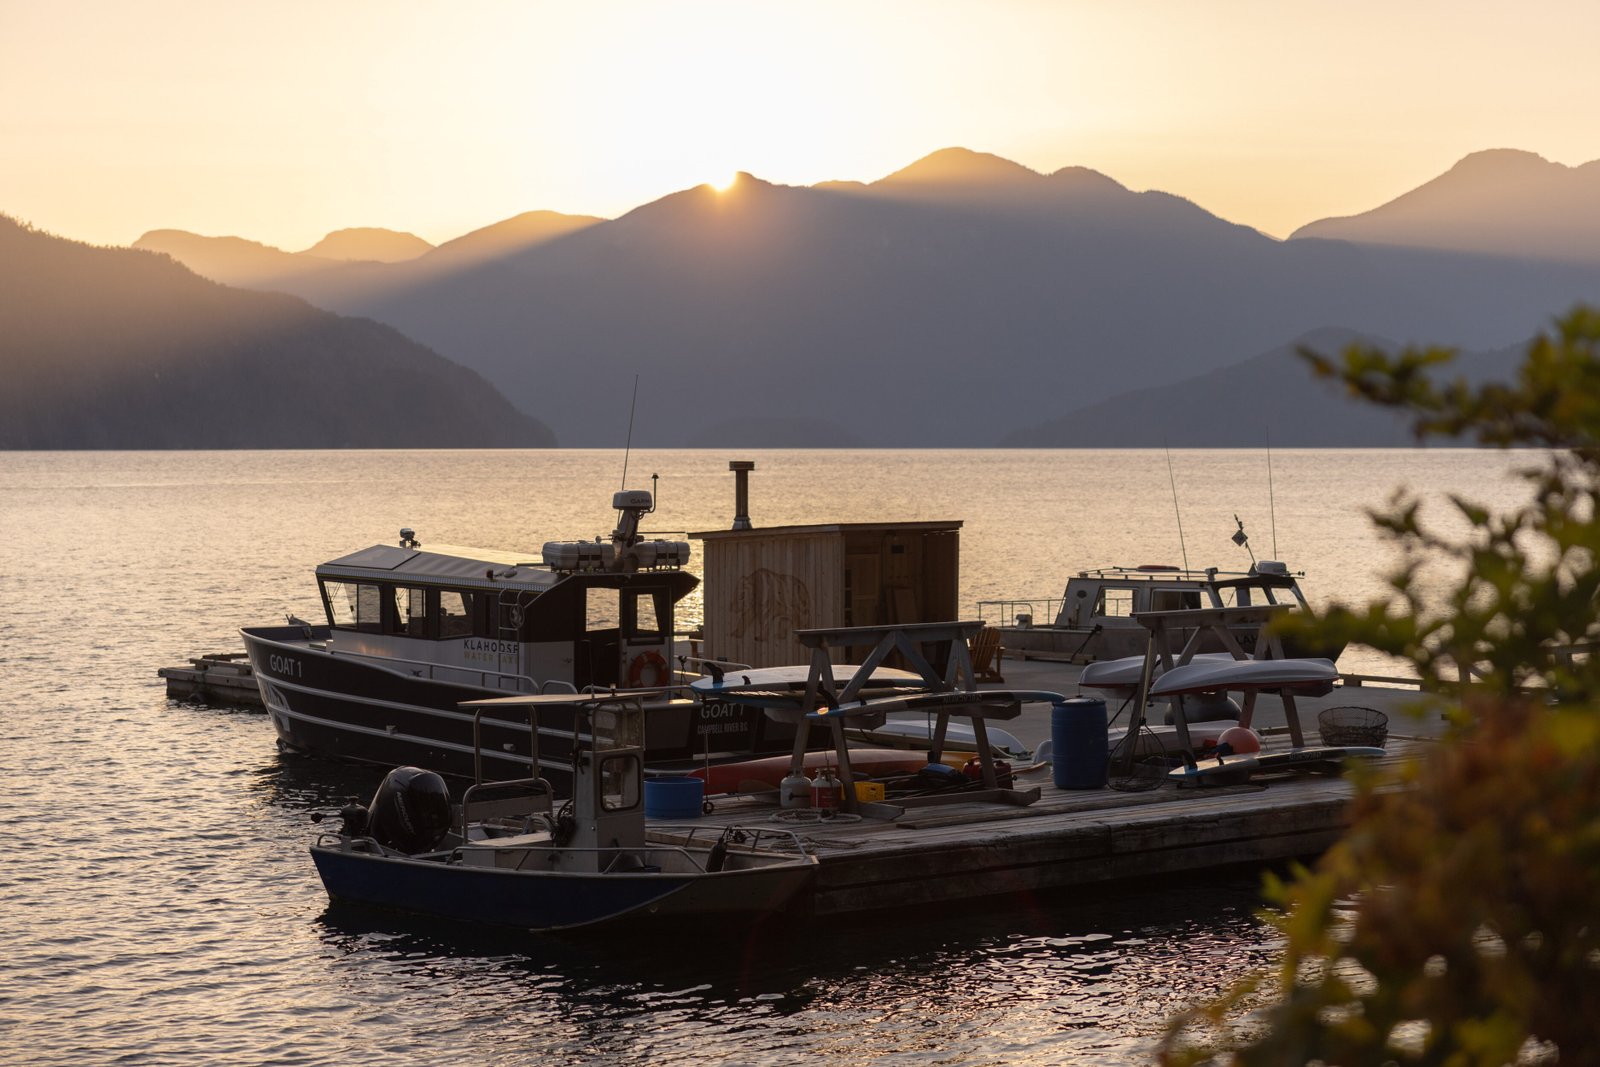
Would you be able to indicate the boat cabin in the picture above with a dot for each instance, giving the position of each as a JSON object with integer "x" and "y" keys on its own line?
{"x": 1094, "y": 597}
{"x": 590, "y": 614}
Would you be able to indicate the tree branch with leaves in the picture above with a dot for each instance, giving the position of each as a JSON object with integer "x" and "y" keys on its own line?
{"x": 1458, "y": 920}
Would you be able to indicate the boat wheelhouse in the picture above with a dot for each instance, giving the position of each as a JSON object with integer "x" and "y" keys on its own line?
{"x": 1093, "y": 619}
{"x": 410, "y": 634}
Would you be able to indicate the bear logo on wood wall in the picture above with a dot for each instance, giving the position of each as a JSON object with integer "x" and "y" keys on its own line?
{"x": 769, "y": 605}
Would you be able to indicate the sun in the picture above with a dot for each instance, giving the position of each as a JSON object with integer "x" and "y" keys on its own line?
{"x": 724, "y": 184}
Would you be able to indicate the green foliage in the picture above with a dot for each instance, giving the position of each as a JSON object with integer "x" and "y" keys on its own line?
{"x": 1458, "y": 921}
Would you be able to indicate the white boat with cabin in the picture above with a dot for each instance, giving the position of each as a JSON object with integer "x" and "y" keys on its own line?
{"x": 1093, "y": 618}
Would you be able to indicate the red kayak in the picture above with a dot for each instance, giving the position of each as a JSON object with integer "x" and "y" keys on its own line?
{"x": 751, "y": 775}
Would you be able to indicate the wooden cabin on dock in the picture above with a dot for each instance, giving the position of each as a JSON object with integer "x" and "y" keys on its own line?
{"x": 763, "y": 584}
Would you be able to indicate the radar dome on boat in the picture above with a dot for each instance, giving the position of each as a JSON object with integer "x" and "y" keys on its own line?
{"x": 632, "y": 498}
{"x": 1271, "y": 566}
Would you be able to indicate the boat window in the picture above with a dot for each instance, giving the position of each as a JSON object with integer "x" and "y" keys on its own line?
{"x": 1174, "y": 599}
{"x": 603, "y": 609}
{"x": 642, "y": 615}
{"x": 617, "y": 727}
{"x": 410, "y": 612}
{"x": 1115, "y": 603}
{"x": 455, "y": 613}
{"x": 354, "y": 606}
{"x": 619, "y": 782}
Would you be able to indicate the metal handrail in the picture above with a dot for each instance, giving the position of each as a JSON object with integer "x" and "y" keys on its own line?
{"x": 483, "y": 675}
{"x": 1007, "y": 610}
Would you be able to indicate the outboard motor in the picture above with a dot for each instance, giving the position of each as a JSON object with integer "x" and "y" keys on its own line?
{"x": 410, "y": 812}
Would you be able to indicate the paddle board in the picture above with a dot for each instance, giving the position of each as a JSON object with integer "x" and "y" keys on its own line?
{"x": 919, "y": 732}
{"x": 994, "y": 699}
{"x": 1239, "y": 766}
{"x": 1315, "y": 675}
{"x": 1123, "y": 675}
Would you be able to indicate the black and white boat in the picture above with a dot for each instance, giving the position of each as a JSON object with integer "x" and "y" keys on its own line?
{"x": 411, "y": 634}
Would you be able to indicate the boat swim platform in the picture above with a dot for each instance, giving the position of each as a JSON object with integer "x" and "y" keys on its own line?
{"x": 1067, "y": 839}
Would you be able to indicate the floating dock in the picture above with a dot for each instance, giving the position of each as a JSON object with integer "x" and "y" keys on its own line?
{"x": 1072, "y": 838}
{"x": 224, "y": 679}
{"x": 1066, "y": 839}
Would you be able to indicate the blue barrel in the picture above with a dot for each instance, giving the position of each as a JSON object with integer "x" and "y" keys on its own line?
{"x": 673, "y": 797}
{"x": 1078, "y": 743}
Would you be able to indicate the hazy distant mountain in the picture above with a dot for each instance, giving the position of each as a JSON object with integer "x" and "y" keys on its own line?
{"x": 370, "y": 244}
{"x": 118, "y": 348}
{"x": 1501, "y": 202}
{"x": 950, "y": 303}
{"x": 945, "y": 305}
{"x": 233, "y": 260}
{"x": 515, "y": 234}
{"x": 1271, "y": 399}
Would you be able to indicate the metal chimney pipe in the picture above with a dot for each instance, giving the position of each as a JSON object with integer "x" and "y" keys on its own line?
{"x": 741, "y": 469}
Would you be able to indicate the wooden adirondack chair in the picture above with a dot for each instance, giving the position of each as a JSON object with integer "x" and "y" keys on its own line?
{"x": 984, "y": 647}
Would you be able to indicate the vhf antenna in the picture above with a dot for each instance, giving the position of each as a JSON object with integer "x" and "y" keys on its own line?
{"x": 1175, "y": 511}
{"x": 1272, "y": 501}
{"x": 629, "y": 446}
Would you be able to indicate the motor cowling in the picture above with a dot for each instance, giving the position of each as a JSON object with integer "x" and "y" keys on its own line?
{"x": 410, "y": 812}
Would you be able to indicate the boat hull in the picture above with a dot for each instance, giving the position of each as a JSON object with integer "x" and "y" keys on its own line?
{"x": 365, "y": 710}
{"x": 548, "y": 901}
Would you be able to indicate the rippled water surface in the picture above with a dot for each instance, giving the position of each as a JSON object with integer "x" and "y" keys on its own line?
{"x": 160, "y": 907}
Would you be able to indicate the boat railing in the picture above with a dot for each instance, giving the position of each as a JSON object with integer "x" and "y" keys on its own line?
{"x": 1040, "y": 611}
{"x": 626, "y": 859}
{"x": 528, "y": 684}
{"x": 524, "y": 799}
{"x": 737, "y": 838}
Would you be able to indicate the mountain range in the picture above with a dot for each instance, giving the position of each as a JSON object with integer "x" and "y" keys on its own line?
{"x": 960, "y": 301}
{"x": 115, "y": 348}
{"x": 964, "y": 300}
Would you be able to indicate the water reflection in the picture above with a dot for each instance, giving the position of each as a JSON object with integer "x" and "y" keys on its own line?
{"x": 1084, "y": 974}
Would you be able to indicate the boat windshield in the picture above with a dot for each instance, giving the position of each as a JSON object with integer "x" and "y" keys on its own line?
{"x": 617, "y": 727}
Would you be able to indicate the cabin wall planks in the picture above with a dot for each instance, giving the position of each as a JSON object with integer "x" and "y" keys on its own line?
{"x": 763, "y": 584}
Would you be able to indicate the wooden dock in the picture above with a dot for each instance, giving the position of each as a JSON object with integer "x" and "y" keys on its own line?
{"x": 223, "y": 678}
{"x": 1068, "y": 838}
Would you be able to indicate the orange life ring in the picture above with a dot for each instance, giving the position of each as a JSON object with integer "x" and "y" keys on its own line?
{"x": 652, "y": 662}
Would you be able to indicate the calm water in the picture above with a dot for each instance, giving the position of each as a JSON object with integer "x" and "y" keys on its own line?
{"x": 159, "y": 905}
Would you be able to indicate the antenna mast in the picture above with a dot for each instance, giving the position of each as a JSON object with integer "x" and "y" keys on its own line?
{"x": 1173, "y": 478}
{"x": 629, "y": 446}
{"x": 1272, "y": 502}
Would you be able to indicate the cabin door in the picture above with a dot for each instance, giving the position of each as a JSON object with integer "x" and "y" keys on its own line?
{"x": 597, "y": 655}
{"x": 512, "y": 617}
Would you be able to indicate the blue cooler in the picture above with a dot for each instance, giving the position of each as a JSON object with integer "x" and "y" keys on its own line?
{"x": 673, "y": 797}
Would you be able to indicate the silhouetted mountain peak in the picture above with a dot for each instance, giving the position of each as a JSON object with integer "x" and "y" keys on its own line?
{"x": 161, "y": 240}
{"x": 511, "y": 235}
{"x": 1499, "y": 202}
{"x": 960, "y": 166}
{"x": 1083, "y": 179}
{"x": 370, "y": 244}
{"x": 1493, "y": 162}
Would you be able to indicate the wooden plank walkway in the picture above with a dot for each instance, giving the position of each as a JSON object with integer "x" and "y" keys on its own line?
{"x": 1068, "y": 838}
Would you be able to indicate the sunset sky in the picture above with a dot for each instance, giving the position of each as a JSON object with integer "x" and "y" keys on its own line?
{"x": 282, "y": 121}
